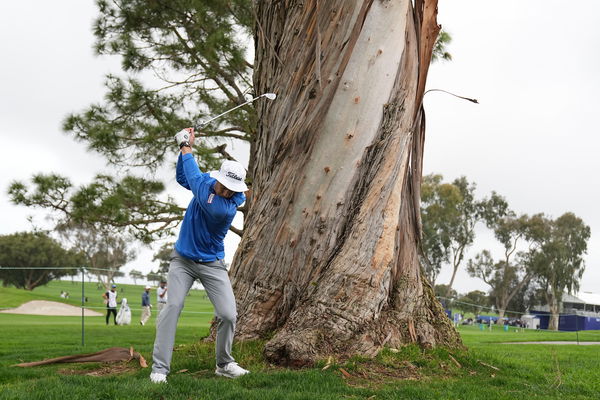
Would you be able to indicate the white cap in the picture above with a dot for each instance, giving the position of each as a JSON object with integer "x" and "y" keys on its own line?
{"x": 148, "y": 287}
{"x": 231, "y": 175}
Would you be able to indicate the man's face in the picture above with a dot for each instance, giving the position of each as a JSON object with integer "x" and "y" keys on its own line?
{"x": 222, "y": 191}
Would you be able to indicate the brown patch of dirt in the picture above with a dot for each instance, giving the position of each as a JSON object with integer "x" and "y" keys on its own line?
{"x": 104, "y": 369}
{"x": 371, "y": 374}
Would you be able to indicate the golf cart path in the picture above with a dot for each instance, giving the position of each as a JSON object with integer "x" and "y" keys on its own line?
{"x": 53, "y": 308}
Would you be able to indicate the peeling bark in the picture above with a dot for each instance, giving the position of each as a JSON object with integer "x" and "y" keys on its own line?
{"x": 329, "y": 261}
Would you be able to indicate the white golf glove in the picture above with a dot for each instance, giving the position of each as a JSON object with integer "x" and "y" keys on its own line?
{"x": 183, "y": 138}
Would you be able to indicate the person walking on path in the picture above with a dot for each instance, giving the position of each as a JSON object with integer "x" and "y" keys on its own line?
{"x": 146, "y": 306}
{"x": 161, "y": 297}
{"x": 110, "y": 298}
{"x": 199, "y": 253}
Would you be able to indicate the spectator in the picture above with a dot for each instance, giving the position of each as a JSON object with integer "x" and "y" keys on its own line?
{"x": 146, "y": 306}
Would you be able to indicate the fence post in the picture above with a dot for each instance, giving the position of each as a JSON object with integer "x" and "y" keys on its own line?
{"x": 577, "y": 327}
{"x": 82, "y": 307}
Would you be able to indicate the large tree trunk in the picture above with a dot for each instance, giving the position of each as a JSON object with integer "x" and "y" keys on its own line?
{"x": 554, "y": 306}
{"x": 329, "y": 260}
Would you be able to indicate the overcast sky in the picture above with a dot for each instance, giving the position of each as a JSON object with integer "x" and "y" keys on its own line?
{"x": 533, "y": 65}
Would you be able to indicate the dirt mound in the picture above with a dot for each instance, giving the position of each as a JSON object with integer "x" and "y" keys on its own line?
{"x": 43, "y": 307}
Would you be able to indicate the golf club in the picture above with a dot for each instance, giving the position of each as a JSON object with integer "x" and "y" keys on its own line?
{"x": 201, "y": 124}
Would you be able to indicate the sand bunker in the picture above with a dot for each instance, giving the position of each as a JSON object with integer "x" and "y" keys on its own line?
{"x": 43, "y": 307}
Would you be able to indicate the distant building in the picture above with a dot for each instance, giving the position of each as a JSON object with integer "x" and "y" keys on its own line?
{"x": 577, "y": 312}
{"x": 584, "y": 304}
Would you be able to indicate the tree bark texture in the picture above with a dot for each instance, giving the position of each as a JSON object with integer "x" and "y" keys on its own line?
{"x": 554, "y": 306}
{"x": 329, "y": 264}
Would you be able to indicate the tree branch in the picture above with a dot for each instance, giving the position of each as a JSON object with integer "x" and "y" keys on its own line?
{"x": 237, "y": 231}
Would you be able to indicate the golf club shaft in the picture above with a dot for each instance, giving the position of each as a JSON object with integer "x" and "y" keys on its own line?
{"x": 198, "y": 126}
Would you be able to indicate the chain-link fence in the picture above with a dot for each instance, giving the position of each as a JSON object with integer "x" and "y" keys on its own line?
{"x": 486, "y": 317}
{"x": 84, "y": 289}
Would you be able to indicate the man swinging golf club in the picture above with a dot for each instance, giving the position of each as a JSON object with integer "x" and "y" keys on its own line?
{"x": 199, "y": 254}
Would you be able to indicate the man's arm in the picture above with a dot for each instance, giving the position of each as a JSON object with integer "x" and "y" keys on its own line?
{"x": 195, "y": 179}
{"x": 180, "y": 175}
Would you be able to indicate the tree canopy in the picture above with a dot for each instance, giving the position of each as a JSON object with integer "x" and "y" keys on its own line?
{"x": 105, "y": 251}
{"x": 558, "y": 262}
{"x": 26, "y": 250}
{"x": 449, "y": 213}
{"x": 196, "y": 54}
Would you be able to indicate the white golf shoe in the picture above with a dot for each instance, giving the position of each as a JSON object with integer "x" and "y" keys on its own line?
{"x": 231, "y": 370}
{"x": 157, "y": 377}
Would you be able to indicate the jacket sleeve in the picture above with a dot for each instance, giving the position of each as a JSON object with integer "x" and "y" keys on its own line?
{"x": 197, "y": 182}
{"x": 180, "y": 175}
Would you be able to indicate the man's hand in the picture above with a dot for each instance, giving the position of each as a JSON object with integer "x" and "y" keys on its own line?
{"x": 185, "y": 137}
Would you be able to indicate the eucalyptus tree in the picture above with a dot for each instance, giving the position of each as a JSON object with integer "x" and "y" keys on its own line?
{"x": 450, "y": 213}
{"x": 329, "y": 262}
{"x": 522, "y": 238}
{"x": 558, "y": 263}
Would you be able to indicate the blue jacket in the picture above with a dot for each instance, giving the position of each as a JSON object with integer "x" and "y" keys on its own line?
{"x": 208, "y": 216}
{"x": 145, "y": 299}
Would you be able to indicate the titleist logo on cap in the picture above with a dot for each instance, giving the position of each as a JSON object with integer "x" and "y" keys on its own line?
{"x": 233, "y": 176}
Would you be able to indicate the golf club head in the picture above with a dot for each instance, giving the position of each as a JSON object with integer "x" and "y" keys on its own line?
{"x": 270, "y": 96}
{"x": 199, "y": 125}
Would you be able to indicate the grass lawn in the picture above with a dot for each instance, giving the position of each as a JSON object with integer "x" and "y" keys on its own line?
{"x": 488, "y": 369}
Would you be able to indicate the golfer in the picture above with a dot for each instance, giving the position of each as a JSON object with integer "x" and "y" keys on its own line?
{"x": 199, "y": 254}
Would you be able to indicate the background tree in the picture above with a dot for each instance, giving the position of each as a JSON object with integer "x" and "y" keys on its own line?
{"x": 450, "y": 213}
{"x": 26, "y": 250}
{"x": 135, "y": 275}
{"x": 105, "y": 251}
{"x": 558, "y": 263}
{"x": 155, "y": 277}
{"x": 445, "y": 295}
{"x": 442, "y": 290}
{"x": 522, "y": 301}
{"x": 475, "y": 301}
{"x": 163, "y": 256}
{"x": 439, "y": 214}
{"x": 511, "y": 274}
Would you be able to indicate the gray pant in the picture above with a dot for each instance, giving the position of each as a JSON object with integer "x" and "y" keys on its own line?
{"x": 214, "y": 278}
{"x": 159, "y": 307}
